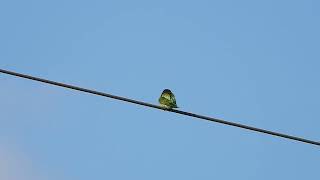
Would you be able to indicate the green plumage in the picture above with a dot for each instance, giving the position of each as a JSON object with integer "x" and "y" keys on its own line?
{"x": 167, "y": 99}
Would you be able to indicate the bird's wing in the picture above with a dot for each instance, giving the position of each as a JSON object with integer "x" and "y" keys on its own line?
{"x": 173, "y": 98}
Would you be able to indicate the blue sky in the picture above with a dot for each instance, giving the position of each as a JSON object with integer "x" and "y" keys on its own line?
{"x": 251, "y": 62}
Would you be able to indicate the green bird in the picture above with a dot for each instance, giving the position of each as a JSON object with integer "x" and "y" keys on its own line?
{"x": 167, "y": 99}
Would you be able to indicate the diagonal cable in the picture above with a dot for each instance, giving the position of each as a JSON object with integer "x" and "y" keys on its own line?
{"x": 161, "y": 108}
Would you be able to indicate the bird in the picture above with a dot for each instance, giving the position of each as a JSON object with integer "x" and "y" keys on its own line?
{"x": 167, "y": 99}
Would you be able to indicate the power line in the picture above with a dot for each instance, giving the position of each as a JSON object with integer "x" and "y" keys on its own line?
{"x": 159, "y": 107}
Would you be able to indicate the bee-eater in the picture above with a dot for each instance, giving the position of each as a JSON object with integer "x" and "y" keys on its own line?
{"x": 167, "y": 99}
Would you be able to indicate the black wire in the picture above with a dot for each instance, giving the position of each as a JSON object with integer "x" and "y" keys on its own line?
{"x": 162, "y": 108}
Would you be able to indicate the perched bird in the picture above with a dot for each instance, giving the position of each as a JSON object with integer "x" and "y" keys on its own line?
{"x": 167, "y": 99}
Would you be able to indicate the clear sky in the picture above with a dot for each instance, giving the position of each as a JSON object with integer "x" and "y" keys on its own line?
{"x": 251, "y": 62}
